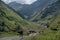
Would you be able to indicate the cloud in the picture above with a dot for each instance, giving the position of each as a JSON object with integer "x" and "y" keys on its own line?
{"x": 20, "y": 1}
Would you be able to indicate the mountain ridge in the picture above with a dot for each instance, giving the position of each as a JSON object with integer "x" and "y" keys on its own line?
{"x": 28, "y": 11}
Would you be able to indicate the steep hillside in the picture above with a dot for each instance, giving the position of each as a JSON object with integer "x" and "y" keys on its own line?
{"x": 9, "y": 20}
{"x": 17, "y": 7}
{"x": 48, "y": 13}
{"x": 53, "y": 30}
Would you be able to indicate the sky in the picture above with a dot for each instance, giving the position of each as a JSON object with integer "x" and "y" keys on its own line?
{"x": 20, "y": 1}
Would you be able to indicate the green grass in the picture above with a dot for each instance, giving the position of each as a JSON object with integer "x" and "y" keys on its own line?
{"x": 5, "y": 34}
{"x": 49, "y": 33}
{"x": 9, "y": 20}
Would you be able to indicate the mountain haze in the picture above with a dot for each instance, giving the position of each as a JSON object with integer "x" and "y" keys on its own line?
{"x": 30, "y": 11}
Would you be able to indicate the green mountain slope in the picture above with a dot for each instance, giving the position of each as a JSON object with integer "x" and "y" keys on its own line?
{"x": 53, "y": 31}
{"x": 47, "y": 13}
{"x": 9, "y": 20}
